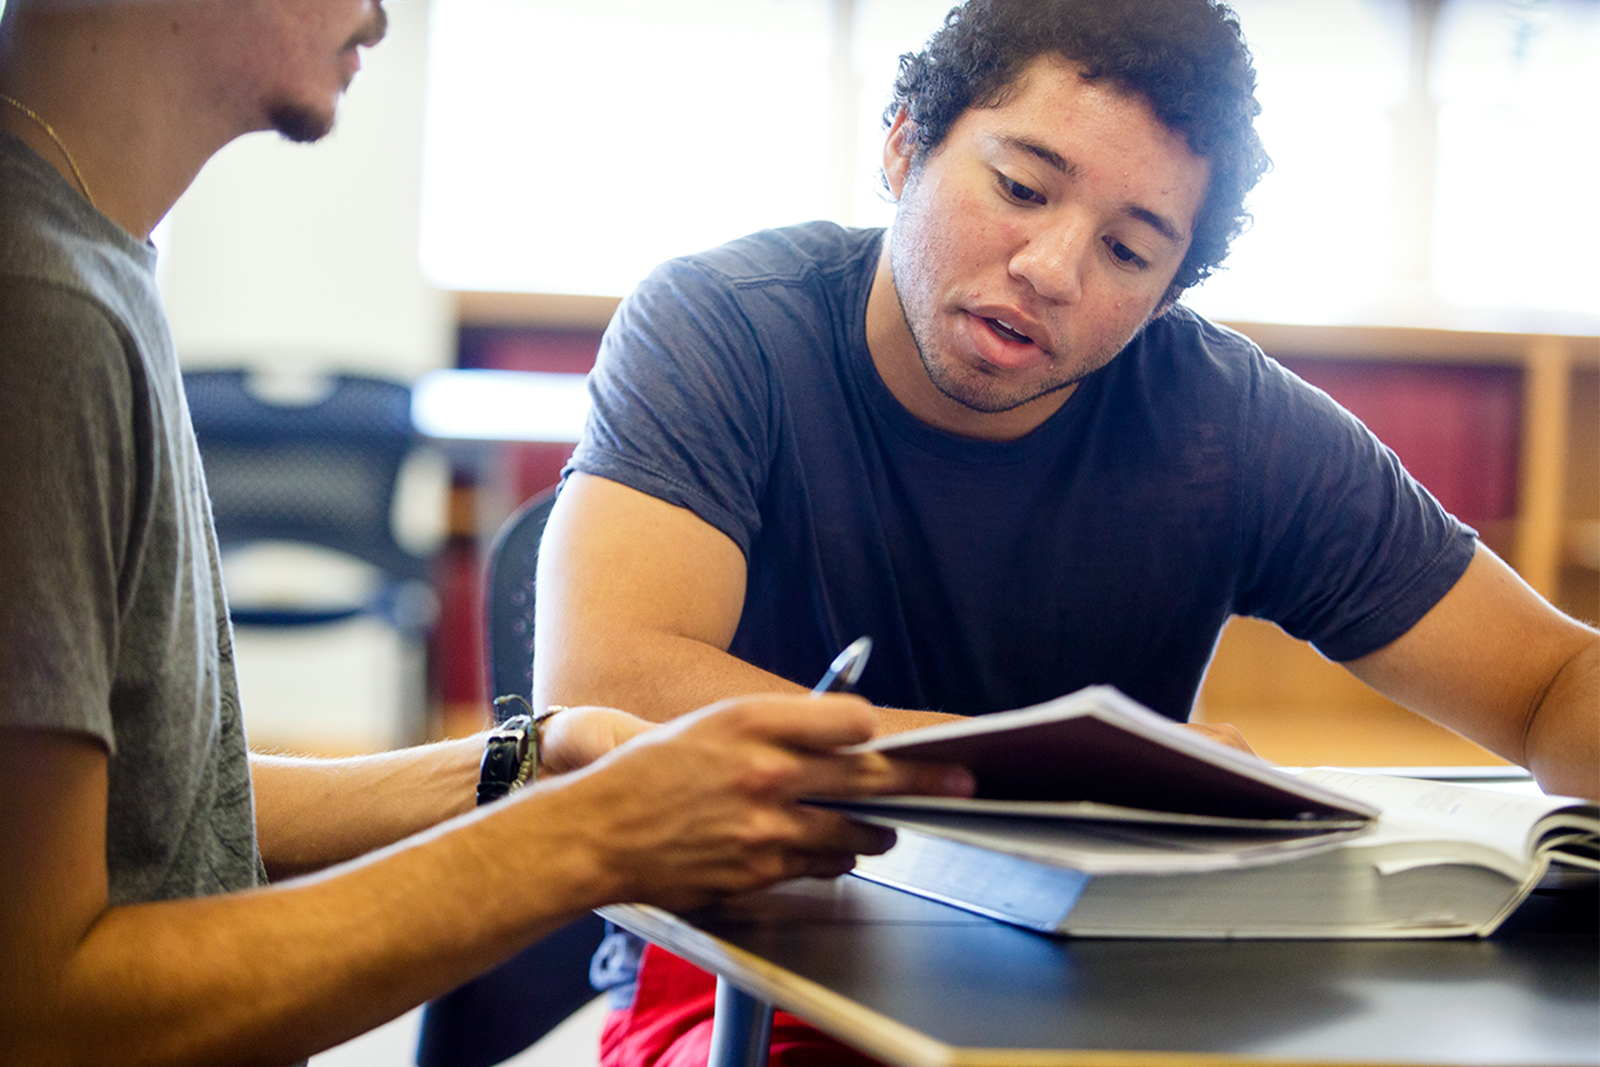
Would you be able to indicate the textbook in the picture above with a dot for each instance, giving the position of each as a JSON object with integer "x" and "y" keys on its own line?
{"x": 1094, "y": 816}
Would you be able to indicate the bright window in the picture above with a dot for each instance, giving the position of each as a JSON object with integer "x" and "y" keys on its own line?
{"x": 570, "y": 148}
{"x": 1492, "y": 223}
{"x": 1519, "y": 155}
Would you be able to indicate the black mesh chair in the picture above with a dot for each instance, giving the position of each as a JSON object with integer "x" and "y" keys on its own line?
{"x": 322, "y": 473}
{"x": 511, "y": 585}
{"x": 503, "y": 1011}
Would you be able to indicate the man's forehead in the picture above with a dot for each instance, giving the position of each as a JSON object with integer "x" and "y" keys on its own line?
{"x": 1048, "y": 126}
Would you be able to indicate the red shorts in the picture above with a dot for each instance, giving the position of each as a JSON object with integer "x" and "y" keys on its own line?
{"x": 669, "y": 1024}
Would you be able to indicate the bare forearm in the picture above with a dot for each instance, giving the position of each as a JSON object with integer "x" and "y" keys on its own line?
{"x": 312, "y": 813}
{"x": 1563, "y": 737}
{"x": 662, "y": 677}
{"x": 274, "y": 975}
{"x": 682, "y": 814}
{"x": 654, "y": 676}
{"x": 1497, "y": 663}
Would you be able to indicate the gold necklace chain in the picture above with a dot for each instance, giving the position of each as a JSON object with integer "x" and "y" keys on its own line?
{"x": 45, "y": 126}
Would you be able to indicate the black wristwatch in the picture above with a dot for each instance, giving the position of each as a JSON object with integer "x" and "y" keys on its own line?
{"x": 505, "y": 758}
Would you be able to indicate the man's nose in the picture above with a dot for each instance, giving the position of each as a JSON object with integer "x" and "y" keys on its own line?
{"x": 1053, "y": 259}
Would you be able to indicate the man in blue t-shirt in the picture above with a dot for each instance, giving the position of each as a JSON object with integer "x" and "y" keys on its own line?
{"x": 991, "y": 439}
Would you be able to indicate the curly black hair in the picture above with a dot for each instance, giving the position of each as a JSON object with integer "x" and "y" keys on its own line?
{"x": 1187, "y": 58}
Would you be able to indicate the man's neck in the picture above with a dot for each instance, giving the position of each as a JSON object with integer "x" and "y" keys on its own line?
{"x": 116, "y": 105}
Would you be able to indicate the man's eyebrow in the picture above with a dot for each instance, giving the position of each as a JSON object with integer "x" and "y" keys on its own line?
{"x": 1048, "y": 156}
{"x": 1160, "y": 223}
{"x": 1056, "y": 161}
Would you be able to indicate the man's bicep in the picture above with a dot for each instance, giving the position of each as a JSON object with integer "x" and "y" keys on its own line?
{"x": 1496, "y": 662}
{"x": 622, "y": 574}
{"x": 53, "y": 878}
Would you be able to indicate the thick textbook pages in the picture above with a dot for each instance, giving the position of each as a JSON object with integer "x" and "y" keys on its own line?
{"x": 1095, "y": 816}
{"x": 1441, "y": 860}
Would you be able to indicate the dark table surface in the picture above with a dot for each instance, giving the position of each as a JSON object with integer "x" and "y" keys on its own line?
{"x": 921, "y": 983}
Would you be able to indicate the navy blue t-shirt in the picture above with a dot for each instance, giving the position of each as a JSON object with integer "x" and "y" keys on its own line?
{"x": 1191, "y": 479}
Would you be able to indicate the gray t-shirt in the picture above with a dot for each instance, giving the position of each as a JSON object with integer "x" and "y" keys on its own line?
{"x": 113, "y": 622}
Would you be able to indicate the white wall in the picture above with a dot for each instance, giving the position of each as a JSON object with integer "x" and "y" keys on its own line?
{"x": 301, "y": 259}
{"x": 305, "y": 257}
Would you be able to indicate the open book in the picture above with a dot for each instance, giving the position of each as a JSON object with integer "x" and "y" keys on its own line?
{"x": 1096, "y": 817}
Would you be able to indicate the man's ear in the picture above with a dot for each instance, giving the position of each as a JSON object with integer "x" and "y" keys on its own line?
{"x": 899, "y": 152}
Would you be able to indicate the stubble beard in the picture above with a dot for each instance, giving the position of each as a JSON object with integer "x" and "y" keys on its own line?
{"x": 305, "y": 124}
{"x": 978, "y": 389}
{"x": 298, "y": 122}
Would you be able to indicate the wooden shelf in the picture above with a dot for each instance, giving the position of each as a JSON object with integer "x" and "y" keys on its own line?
{"x": 534, "y": 310}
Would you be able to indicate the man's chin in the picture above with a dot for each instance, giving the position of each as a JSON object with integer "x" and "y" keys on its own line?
{"x": 300, "y": 123}
{"x": 989, "y": 397}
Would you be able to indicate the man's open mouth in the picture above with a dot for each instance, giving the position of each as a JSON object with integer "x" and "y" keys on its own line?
{"x": 1010, "y": 333}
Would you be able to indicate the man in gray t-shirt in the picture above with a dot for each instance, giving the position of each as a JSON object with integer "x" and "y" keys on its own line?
{"x": 116, "y": 624}
{"x": 136, "y": 831}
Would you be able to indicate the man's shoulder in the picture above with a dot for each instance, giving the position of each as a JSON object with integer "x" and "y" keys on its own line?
{"x": 789, "y": 255}
{"x": 1183, "y": 332}
{"x": 49, "y": 236}
{"x": 1192, "y": 367}
{"x": 1185, "y": 350}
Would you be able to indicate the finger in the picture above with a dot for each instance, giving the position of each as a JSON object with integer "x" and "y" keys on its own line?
{"x": 820, "y": 830}
{"x": 1223, "y": 732}
{"x": 930, "y": 779}
{"x": 819, "y": 723}
{"x": 870, "y": 773}
{"x": 822, "y": 864}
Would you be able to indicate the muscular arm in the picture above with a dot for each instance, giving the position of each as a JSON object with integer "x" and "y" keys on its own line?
{"x": 686, "y": 812}
{"x": 638, "y": 602}
{"x": 1496, "y": 662}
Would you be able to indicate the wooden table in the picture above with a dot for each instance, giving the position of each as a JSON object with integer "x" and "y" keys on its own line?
{"x": 919, "y": 984}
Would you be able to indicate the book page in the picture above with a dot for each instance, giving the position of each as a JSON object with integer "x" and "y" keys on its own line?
{"x": 1117, "y": 848}
{"x": 1073, "y": 811}
{"x": 1507, "y": 822}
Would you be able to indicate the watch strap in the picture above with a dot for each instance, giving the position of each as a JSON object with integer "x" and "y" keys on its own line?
{"x": 505, "y": 763}
{"x": 514, "y": 750}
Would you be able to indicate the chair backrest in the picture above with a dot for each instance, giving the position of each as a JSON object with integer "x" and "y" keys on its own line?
{"x": 322, "y": 473}
{"x": 511, "y": 588}
{"x": 503, "y": 1011}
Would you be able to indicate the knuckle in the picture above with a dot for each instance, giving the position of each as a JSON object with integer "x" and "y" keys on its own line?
{"x": 767, "y": 771}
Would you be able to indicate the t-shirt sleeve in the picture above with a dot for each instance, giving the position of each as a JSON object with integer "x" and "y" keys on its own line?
{"x": 67, "y": 480}
{"x": 681, "y": 401}
{"x": 1343, "y": 547}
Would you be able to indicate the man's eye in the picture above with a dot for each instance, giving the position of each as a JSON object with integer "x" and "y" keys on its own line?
{"x": 1017, "y": 191}
{"x": 1124, "y": 254}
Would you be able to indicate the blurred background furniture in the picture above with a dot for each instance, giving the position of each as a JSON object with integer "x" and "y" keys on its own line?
{"x": 498, "y": 1014}
{"x": 331, "y": 611}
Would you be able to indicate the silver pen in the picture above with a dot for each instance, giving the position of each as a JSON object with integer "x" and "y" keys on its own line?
{"x": 846, "y": 667}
